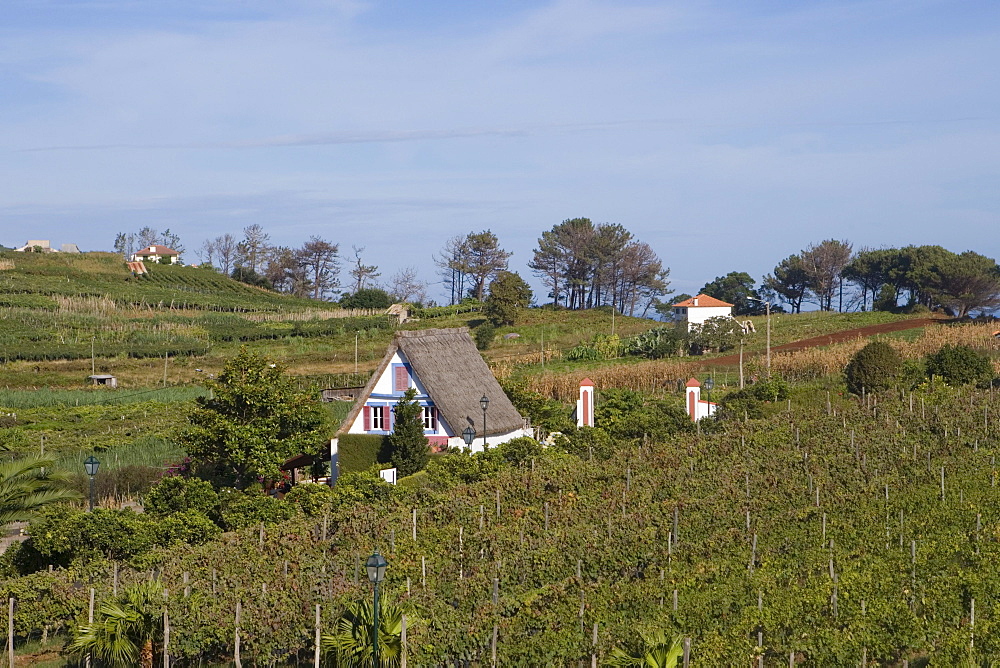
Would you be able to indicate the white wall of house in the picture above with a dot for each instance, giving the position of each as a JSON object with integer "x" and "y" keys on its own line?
{"x": 384, "y": 396}
{"x": 694, "y": 316}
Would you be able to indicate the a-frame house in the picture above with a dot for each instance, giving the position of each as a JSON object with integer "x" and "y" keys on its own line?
{"x": 451, "y": 378}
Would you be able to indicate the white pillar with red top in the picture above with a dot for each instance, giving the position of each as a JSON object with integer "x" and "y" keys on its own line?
{"x": 585, "y": 404}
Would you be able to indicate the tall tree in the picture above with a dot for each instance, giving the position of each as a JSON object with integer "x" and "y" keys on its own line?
{"x": 823, "y": 263}
{"x": 362, "y": 273}
{"x": 206, "y": 254}
{"x": 737, "y": 288}
{"x": 405, "y": 286}
{"x": 483, "y": 259}
{"x": 789, "y": 282}
{"x": 319, "y": 258}
{"x": 253, "y": 246}
{"x": 225, "y": 251}
{"x": 966, "y": 282}
{"x": 253, "y": 421}
{"x": 586, "y": 265}
{"x": 451, "y": 263}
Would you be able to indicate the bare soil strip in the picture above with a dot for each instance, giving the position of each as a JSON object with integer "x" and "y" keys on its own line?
{"x": 835, "y": 337}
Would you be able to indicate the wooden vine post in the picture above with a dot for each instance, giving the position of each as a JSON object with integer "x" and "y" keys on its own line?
{"x": 236, "y": 640}
{"x": 166, "y": 631}
{"x": 317, "y": 639}
{"x": 10, "y": 632}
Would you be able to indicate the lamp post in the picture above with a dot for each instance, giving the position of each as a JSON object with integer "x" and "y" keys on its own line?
{"x": 485, "y": 403}
{"x": 468, "y": 434}
{"x": 90, "y": 465}
{"x": 767, "y": 305}
{"x": 375, "y": 566}
{"x": 709, "y": 384}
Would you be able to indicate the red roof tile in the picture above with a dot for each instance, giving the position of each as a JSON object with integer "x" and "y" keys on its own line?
{"x": 703, "y": 300}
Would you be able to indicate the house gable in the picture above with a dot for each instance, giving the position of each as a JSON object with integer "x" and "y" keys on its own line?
{"x": 450, "y": 377}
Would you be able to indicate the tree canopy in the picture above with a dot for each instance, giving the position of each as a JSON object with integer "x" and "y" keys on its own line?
{"x": 586, "y": 265}
{"x": 254, "y": 420}
{"x": 737, "y": 288}
{"x": 509, "y": 295}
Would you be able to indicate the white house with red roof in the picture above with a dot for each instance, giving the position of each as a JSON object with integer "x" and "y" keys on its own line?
{"x": 697, "y": 310}
{"x": 695, "y": 406}
{"x": 156, "y": 253}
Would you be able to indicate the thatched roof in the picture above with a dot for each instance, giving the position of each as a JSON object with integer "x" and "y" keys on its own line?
{"x": 455, "y": 376}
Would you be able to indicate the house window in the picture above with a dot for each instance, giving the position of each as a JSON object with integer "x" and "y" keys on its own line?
{"x": 378, "y": 418}
{"x": 430, "y": 418}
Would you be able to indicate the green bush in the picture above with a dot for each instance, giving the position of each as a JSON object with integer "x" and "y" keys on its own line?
{"x": 519, "y": 451}
{"x": 960, "y": 365}
{"x": 176, "y": 494}
{"x": 874, "y": 368}
{"x": 371, "y": 298}
{"x": 240, "y": 510}
{"x": 484, "y": 335}
{"x": 312, "y": 499}
{"x": 360, "y": 452}
{"x": 586, "y": 442}
{"x": 187, "y": 526}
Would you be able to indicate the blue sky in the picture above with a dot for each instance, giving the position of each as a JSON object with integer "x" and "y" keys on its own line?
{"x": 727, "y": 135}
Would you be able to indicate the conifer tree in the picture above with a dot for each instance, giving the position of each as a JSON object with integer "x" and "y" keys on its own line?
{"x": 407, "y": 443}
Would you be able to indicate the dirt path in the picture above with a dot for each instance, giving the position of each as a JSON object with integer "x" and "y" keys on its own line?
{"x": 833, "y": 337}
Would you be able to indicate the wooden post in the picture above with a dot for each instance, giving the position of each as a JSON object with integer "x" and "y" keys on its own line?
{"x": 414, "y": 524}
{"x": 187, "y": 588}
{"x": 236, "y": 643}
{"x": 593, "y": 645}
{"x": 90, "y": 621}
{"x": 114, "y": 580}
{"x": 260, "y": 541}
{"x": 493, "y": 646}
{"x": 423, "y": 572}
{"x": 687, "y": 652}
{"x": 10, "y": 630}
{"x": 316, "y": 654}
{"x": 166, "y": 632}
{"x": 498, "y": 503}
{"x": 214, "y": 575}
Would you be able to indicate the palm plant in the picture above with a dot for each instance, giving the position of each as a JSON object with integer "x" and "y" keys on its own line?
{"x": 27, "y": 485}
{"x": 656, "y": 651}
{"x": 123, "y": 633}
{"x": 350, "y": 644}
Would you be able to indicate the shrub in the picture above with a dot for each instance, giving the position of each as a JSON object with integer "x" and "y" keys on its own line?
{"x": 371, "y": 298}
{"x": 178, "y": 494}
{"x": 187, "y": 526}
{"x": 520, "y": 450}
{"x": 359, "y": 452}
{"x": 587, "y": 441}
{"x": 312, "y": 499}
{"x": 959, "y": 365}
{"x": 549, "y": 414}
{"x": 484, "y": 335}
{"x": 873, "y": 368}
{"x": 241, "y": 510}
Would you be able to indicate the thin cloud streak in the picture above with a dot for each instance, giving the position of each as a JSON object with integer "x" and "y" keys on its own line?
{"x": 390, "y": 136}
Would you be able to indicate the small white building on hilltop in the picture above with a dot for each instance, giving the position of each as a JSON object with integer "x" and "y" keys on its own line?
{"x": 156, "y": 253}
{"x": 451, "y": 378}
{"x": 697, "y": 310}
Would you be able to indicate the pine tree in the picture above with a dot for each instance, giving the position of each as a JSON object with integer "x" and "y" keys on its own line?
{"x": 407, "y": 443}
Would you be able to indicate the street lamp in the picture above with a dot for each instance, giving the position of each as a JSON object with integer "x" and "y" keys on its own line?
{"x": 468, "y": 434}
{"x": 485, "y": 403}
{"x": 90, "y": 465}
{"x": 375, "y": 566}
{"x": 767, "y": 305}
{"x": 709, "y": 384}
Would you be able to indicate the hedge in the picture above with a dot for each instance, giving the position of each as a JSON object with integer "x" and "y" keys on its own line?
{"x": 360, "y": 452}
